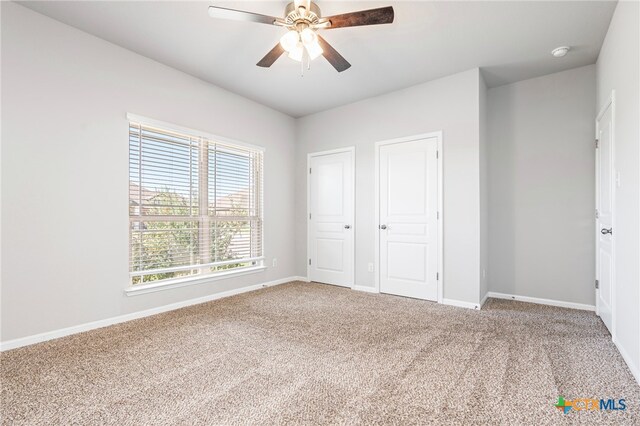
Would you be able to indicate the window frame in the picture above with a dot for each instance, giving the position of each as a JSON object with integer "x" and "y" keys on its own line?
{"x": 153, "y": 286}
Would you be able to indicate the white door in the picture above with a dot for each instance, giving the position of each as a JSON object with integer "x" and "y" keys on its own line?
{"x": 331, "y": 213}
{"x": 408, "y": 228}
{"x": 604, "y": 221}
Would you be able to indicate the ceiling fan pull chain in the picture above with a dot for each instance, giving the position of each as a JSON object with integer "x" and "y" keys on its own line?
{"x": 305, "y": 56}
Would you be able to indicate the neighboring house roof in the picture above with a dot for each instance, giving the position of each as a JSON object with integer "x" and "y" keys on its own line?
{"x": 134, "y": 193}
{"x": 240, "y": 199}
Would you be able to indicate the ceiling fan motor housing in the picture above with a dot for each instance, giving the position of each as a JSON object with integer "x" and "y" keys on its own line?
{"x": 293, "y": 17}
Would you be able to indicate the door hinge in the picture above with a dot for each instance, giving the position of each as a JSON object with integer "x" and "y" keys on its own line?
{"x": 597, "y": 214}
{"x": 437, "y": 154}
{"x": 597, "y": 284}
{"x": 309, "y": 215}
{"x": 309, "y": 170}
{"x": 437, "y": 276}
{"x": 438, "y": 215}
{"x": 597, "y": 144}
{"x": 309, "y": 261}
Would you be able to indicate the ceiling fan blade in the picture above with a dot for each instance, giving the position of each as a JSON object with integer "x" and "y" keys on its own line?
{"x": 271, "y": 57}
{"x": 383, "y": 15}
{"x": 332, "y": 55}
{"x": 240, "y": 15}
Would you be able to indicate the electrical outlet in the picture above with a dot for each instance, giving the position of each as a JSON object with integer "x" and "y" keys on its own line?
{"x": 370, "y": 267}
{"x": 484, "y": 273}
{"x": 275, "y": 262}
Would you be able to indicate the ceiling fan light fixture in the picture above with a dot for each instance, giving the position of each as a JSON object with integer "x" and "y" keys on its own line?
{"x": 308, "y": 36}
{"x": 313, "y": 49}
{"x": 297, "y": 52}
{"x": 290, "y": 40}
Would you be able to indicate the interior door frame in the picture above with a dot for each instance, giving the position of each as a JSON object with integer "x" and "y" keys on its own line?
{"x": 609, "y": 102}
{"x": 378, "y": 145}
{"x": 352, "y": 150}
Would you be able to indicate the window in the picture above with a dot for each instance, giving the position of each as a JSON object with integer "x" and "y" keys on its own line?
{"x": 195, "y": 205}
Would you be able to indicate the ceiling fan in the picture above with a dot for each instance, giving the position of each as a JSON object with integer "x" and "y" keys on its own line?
{"x": 302, "y": 19}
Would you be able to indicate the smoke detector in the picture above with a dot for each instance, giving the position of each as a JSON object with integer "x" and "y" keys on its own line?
{"x": 559, "y": 52}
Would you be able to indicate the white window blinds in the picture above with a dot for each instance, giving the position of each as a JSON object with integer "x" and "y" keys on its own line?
{"x": 195, "y": 205}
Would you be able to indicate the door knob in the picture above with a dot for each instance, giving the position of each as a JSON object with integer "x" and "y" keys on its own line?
{"x": 347, "y": 227}
{"x": 383, "y": 226}
{"x": 605, "y": 231}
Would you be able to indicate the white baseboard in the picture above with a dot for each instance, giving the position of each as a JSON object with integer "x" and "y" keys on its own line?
{"x": 635, "y": 371}
{"x": 540, "y": 301}
{"x": 365, "y": 288}
{"x": 460, "y": 304}
{"x": 55, "y": 334}
{"x": 484, "y": 299}
{"x": 300, "y": 278}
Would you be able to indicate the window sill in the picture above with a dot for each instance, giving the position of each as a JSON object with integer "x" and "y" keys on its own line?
{"x": 183, "y": 282}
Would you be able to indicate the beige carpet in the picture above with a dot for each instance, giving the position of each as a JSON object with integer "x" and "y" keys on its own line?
{"x": 316, "y": 354}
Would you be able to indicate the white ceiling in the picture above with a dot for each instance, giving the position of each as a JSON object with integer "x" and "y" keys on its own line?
{"x": 509, "y": 41}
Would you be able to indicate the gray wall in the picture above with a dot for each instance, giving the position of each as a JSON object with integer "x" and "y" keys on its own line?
{"x": 618, "y": 68}
{"x": 541, "y": 186}
{"x": 518, "y": 174}
{"x": 449, "y": 104}
{"x": 65, "y": 171}
{"x": 484, "y": 191}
